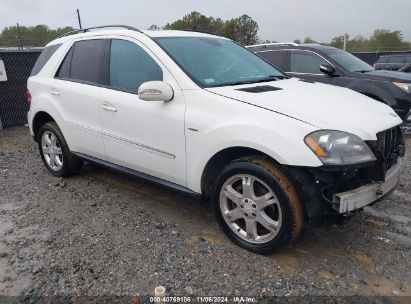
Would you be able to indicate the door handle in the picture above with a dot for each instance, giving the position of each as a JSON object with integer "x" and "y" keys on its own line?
{"x": 54, "y": 92}
{"x": 109, "y": 107}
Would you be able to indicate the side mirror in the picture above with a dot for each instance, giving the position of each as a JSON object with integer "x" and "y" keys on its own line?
{"x": 327, "y": 69}
{"x": 155, "y": 91}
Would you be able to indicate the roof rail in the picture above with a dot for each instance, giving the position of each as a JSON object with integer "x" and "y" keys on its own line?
{"x": 274, "y": 44}
{"x": 196, "y": 31}
{"x": 99, "y": 27}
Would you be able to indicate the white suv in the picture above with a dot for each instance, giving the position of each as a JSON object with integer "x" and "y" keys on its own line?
{"x": 204, "y": 115}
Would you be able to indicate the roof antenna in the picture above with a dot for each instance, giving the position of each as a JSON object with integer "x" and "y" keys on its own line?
{"x": 79, "y": 20}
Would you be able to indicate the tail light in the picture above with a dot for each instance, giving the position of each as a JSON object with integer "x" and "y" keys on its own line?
{"x": 28, "y": 96}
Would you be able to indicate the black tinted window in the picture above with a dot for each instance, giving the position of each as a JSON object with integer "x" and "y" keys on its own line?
{"x": 305, "y": 62}
{"x": 276, "y": 58}
{"x": 43, "y": 58}
{"x": 64, "y": 70}
{"x": 87, "y": 61}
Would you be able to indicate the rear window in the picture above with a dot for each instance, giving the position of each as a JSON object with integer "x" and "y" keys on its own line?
{"x": 44, "y": 57}
{"x": 65, "y": 67}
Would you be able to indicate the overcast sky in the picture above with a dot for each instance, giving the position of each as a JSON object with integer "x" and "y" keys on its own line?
{"x": 281, "y": 20}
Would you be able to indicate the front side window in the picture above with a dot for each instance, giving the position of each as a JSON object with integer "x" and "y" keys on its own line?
{"x": 212, "y": 62}
{"x": 131, "y": 66}
{"x": 306, "y": 62}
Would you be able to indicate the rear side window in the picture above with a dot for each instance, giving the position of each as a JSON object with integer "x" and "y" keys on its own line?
{"x": 131, "y": 66}
{"x": 305, "y": 62}
{"x": 65, "y": 67}
{"x": 43, "y": 58}
{"x": 87, "y": 60}
{"x": 276, "y": 58}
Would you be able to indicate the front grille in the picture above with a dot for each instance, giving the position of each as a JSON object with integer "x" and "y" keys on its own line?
{"x": 390, "y": 144}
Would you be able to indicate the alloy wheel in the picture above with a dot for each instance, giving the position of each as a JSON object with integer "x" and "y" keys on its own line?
{"x": 52, "y": 152}
{"x": 250, "y": 208}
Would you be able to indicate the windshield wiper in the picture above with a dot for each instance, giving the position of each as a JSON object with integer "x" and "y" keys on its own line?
{"x": 264, "y": 79}
{"x": 270, "y": 78}
{"x": 363, "y": 71}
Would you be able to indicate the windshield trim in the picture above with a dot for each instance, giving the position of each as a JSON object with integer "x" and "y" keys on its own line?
{"x": 201, "y": 85}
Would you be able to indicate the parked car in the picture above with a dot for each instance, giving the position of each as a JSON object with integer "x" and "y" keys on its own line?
{"x": 329, "y": 65}
{"x": 394, "y": 62}
{"x": 203, "y": 115}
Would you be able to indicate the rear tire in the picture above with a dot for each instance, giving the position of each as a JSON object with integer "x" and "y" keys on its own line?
{"x": 256, "y": 205}
{"x": 55, "y": 152}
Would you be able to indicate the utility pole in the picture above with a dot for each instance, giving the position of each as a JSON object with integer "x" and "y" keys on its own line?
{"x": 345, "y": 42}
{"x": 19, "y": 37}
{"x": 79, "y": 20}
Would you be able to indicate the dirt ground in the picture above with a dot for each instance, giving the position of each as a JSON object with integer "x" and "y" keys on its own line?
{"x": 103, "y": 234}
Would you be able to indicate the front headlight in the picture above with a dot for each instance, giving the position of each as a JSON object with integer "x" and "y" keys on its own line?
{"x": 403, "y": 86}
{"x": 338, "y": 148}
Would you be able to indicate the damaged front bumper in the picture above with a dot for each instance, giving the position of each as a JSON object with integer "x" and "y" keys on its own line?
{"x": 339, "y": 189}
{"x": 362, "y": 196}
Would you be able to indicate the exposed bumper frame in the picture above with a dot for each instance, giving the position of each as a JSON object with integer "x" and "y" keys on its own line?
{"x": 357, "y": 198}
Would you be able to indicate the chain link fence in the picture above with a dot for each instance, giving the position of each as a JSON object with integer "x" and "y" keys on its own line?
{"x": 13, "y": 81}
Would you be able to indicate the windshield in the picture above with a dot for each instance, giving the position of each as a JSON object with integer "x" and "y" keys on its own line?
{"x": 348, "y": 61}
{"x": 212, "y": 62}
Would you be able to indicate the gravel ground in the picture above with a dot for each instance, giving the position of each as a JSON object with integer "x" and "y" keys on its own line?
{"x": 103, "y": 234}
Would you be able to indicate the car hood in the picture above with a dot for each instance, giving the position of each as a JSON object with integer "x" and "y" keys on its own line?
{"x": 388, "y": 76}
{"x": 321, "y": 105}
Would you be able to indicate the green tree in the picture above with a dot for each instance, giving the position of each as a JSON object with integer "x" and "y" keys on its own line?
{"x": 338, "y": 42}
{"x": 34, "y": 36}
{"x": 387, "y": 40}
{"x": 193, "y": 21}
{"x": 153, "y": 28}
{"x": 298, "y": 41}
{"x": 242, "y": 29}
{"x": 309, "y": 40}
{"x": 381, "y": 40}
{"x": 246, "y": 30}
{"x": 358, "y": 44}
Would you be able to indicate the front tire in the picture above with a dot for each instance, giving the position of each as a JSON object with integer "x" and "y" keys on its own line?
{"x": 256, "y": 205}
{"x": 55, "y": 152}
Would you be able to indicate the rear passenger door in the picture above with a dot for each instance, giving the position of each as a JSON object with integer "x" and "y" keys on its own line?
{"x": 146, "y": 136}
{"x": 77, "y": 94}
{"x": 278, "y": 58}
